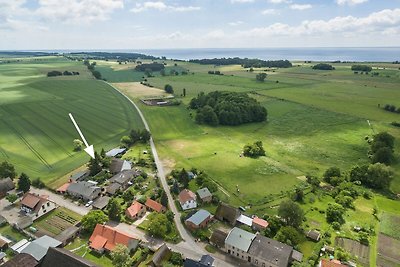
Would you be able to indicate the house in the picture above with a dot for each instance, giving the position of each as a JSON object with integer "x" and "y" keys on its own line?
{"x": 38, "y": 247}
{"x": 123, "y": 178}
{"x": 6, "y": 185}
{"x": 187, "y": 199}
{"x": 119, "y": 165}
{"x": 246, "y": 220}
{"x": 101, "y": 203}
{"x": 36, "y": 206}
{"x": 135, "y": 211}
{"x": 205, "y": 261}
{"x": 227, "y": 213}
{"x": 21, "y": 260}
{"x": 113, "y": 188}
{"x": 330, "y": 263}
{"x": 217, "y": 238}
{"x": 79, "y": 176}
{"x": 198, "y": 220}
{"x": 68, "y": 235}
{"x": 314, "y": 235}
{"x": 259, "y": 224}
{"x": 162, "y": 254}
{"x": 64, "y": 258}
{"x": 154, "y": 206}
{"x": 238, "y": 242}
{"x": 204, "y": 195}
{"x": 266, "y": 252}
{"x": 85, "y": 190}
{"x": 115, "y": 152}
{"x": 105, "y": 238}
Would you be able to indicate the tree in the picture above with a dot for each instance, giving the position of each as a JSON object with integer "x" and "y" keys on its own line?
{"x": 162, "y": 72}
{"x": 288, "y": 235}
{"x": 126, "y": 141}
{"x": 183, "y": 178}
{"x": 379, "y": 176}
{"x": 255, "y": 150}
{"x": 92, "y": 218}
{"x": 334, "y": 213}
{"x": 38, "y": 183}
{"x": 114, "y": 210}
{"x": 24, "y": 183}
{"x": 77, "y": 145}
{"x": 298, "y": 195}
{"x": 291, "y": 213}
{"x": 120, "y": 256}
{"x": 331, "y": 172}
{"x": 274, "y": 224}
{"x": 94, "y": 164}
{"x": 385, "y": 138}
{"x": 261, "y": 77}
{"x": 7, "y": 170}
{"x": 164, "y": 199}
{"x": 159, "y": 226}
{"x": 383, "y": 155}
{"x": 11, "y": 198}
{"x": 184, "y": 91}
{"x": 168, "y": 89}
{"x": 176, "y": 259}
{"x": 206, "y": 115}
{"x": 145, "y": 136}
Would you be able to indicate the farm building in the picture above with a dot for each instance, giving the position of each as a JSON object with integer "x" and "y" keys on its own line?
{"x": 101, "y": 203}
{"x": 162, "y": 254}
{"x": 204, "y": 195}
{"x": 105, "y": 238}
{"x": 259, "y": 224}
{"x": 154, "y": 206}
{"x": 119, "y": 165}
{"x": 198, "y": 220}
{"x": 218, "y": 238}
{"x": 6, "y": 185}
{"x": 36, "y": 206}
{"x": 187, "y": 199}
{"x": 227, "y": 213}
{"x": 64, "y": 258}
{"x": 135, "y": 211}
{"x": 85, "y": 190}
{"x": 244, "y": 219}
{"x": 115, "y": 152}
{"x": 22, "y": 260}
{"x": 314, "y": 235}
{"x": 38, "y": 248}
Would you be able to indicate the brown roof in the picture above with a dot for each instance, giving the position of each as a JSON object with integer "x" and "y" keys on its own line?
{"x": 154, "y": 205}
{"x": 30, "y": 200}
{"x": 314, "y": 235}
{"x": 331, "y": 263}
{"x": 160, "y": 255}
{"x": 107, "y": 237}
{"x": 260, "y": 222}
{"x": 21, "y": 260}
{"x": 186, "y": 195}
{"x": 134, "y": 209}
{"x": 218, "y": 238}
{"x": 63, "y": 258}
{"x": 227, "y": 213}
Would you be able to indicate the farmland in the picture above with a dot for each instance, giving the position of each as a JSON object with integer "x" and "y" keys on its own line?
{"x": 36, "y": 133}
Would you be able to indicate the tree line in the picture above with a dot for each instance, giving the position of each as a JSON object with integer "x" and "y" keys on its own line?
{"x": 364, "y": 68}
{"x": 391, "y": 108}
{"x": 54, "y": 73}
{"x": 91, "y": 68}
{"x": 227, "y": 108}
{"x": 150, "y": 66}
{"x": 323, "y": 66}
{"x": 244, "y": 62}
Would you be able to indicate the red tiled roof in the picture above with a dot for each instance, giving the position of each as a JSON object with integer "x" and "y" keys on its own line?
{"x": 154, "y": 205}
{"x": 134, "y": 209}
{"x": 186, "y": 195}
{"x": 332, "y": 263}
{"x": 63, "y": 188}
{"x": 98, "y": 242}
{"x": 111, "y": 235}
{"x": 260, "y": 222}
{"x": 30, "y": 200}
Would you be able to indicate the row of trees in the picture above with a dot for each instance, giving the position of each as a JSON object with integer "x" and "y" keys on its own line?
{"x": 323, "y": 66}
{"x": 227, "y": 108}
{"x": 91, "y": 68}
{"x": 245, "y": 62}
{"x": 54, "y": 73}
{"x": 364, "y": 68}
{"x": 142, "y": 136}
{"x": 391, "y": 108}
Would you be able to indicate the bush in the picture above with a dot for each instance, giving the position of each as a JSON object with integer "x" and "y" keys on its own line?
{"x": 323, "y": 66}
{"x": 255, "y": 150}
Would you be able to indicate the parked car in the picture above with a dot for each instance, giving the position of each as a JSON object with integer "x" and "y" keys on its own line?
{"x": 89, "y": 203}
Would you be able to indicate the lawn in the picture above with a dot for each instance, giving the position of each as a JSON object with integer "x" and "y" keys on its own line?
{"x": 56, "y": 221}
{"x": 36, "y": 131}
{"x": 10, "y": 233}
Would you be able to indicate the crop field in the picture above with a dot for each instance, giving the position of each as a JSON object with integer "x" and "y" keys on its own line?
{"x": 36, "y": 132}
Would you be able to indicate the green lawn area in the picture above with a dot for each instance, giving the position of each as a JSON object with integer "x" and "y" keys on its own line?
{"x": 36, "y": 131}
{"x": 10, "y": 233}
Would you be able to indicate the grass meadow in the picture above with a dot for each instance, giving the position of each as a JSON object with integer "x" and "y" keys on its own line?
{"x": 36, "y": 132}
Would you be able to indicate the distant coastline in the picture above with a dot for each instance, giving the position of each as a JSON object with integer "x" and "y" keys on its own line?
{"x": 353, "y": 54}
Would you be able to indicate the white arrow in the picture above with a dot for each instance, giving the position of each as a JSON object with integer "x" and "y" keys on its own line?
{"x": 88, "y": 149}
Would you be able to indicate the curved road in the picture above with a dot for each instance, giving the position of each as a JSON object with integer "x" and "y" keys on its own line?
{"x": 188, "y": 246}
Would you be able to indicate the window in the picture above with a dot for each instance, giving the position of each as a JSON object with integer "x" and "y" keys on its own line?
{"x": 237, "y": 254}
{"x": 248, "y": 258}
{"x": 229, "y": 251}
{"x": 48, "y": 204}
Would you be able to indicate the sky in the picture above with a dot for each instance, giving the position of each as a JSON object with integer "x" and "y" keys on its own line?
{"x": 162, "y": 24}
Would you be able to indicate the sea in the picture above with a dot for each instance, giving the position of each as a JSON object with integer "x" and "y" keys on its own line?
{"x": 353, "y": 54}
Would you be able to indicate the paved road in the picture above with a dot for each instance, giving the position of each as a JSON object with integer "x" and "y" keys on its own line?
{"x": 188, "y": 246}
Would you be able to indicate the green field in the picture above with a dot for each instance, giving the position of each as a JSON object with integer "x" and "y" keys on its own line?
{"x": 36, "y": 132}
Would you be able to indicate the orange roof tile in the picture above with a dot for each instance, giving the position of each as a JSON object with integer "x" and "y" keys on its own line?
{"x": 98, "y": 242}
{"x": 134, "y": 209}
{"x": 332, "y": 263}
{"x": 63, "y": 188}
{"x": 186, "y": 195}
{"x": 110, "y": 234}
{"x": 154, "y": 205}
{"x": 260, "y": 222}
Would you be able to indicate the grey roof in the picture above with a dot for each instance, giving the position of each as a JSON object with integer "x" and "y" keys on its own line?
{"x": 199, "y": 217}
{"x": 161, "y": 254}
{"x": 79, "y": 175}
{"x": 218, "y": 238}
{"x": 207, "y": 260}
{"x": 240, "y": 239}
{"x": 115, "y": 151}
{"x": 227, "y": 213}
{"x": 123, "y": 177}
{"x": 113, "y": 188}
{"x": 21, "y": 260}
{"x": 118, "y": 165}
{"x": 67, "y": 234}
{"x": 38, "y": 248}
{"x": 314, "y": 234}
{"x": 193, "y": 263}
{"x": 297, "y": 256}
{"x": 204, "y": 192}
{"x": 101, "y": 202}
{"x": 271, "y": 251}
{"x": 83, "y": 188}
{"x": 6, "y": 185}
{"x": 2, "y": 255}
{"x": 63, "y": 258}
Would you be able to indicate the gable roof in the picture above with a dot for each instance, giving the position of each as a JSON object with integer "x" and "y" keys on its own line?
{"x": 218, "y": 237}
{"x": 161, "y": 253}
{"x": 240, "y": 239}
{"x": 113, "y": 188}
{"x": 38, "y": 248}
{"x": 204, "y": 193}
{"x": 245, "y": 220}
{"x": 63, "y": 258}
{"x": 154, "y": 205}
{"x": 67, "y": 234}
{"x": 21, "y": 260}
{"x": 63, "y": 188}
{"x": 199, "y": 217}
{"x": 123, "y": 177}
{"x": 6, "y": 185}
{"x": 134, "y": 209}
{"x": 186, "y": 195}
{"x": 115, "y": 151}
{"x": 83, "y": 188}
{"x": 260, "y": 222}
{"x": 271, "y": 250}
{"x": 101, "y": 202}
{"x": 79, "y": 175}
{"x": 30, "y": 200}
{"x": 227, "y": 212}
{"x": 314, "y": 235}
{"x": 107, "y": 237}
{"x": 192, "y": 263}
{"x": 118, "y": 165}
